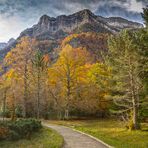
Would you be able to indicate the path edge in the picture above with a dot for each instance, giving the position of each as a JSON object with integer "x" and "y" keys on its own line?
{"x": 93, "y": 138}
{"x": 46, "y": 124}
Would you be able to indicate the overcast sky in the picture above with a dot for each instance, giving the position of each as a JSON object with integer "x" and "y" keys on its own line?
{"x": 17, "y": 15}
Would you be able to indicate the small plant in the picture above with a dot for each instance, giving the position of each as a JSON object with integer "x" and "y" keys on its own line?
{"x": 22, "y": 128}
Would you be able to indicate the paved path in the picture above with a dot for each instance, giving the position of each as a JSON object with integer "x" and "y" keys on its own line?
{"x": 74, "y": 139}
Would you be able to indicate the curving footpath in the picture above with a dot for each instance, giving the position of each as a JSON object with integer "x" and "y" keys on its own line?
{"x": 75, "y": 139}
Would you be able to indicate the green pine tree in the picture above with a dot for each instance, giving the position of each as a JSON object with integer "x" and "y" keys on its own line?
{"x": 145, "y": 15}
{"x": 126, "y": 84}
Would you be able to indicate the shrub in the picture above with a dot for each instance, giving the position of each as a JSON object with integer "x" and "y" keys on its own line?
{"x": 13, "y": 135}
{"x": 22, "y": 128}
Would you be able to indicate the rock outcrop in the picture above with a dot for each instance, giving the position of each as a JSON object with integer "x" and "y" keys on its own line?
{"x": 61, "y": 26}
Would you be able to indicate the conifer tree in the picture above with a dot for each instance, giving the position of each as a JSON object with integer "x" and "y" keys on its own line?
{"x": 145, "y": 15}
{"x": 123, "y": 58}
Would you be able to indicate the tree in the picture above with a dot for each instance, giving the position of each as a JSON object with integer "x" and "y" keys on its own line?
{"x": 40, "y": 64}
{"x": 68, "y": 72}
{"x": 4, "y": 86}
{"x": 145, "y": 15}
{"x": 99, "y": 75}
{"x": 10, "y": 79}
{"x": 123, "y": 59}
{"x": 19, "y": 58}
{"x": 142, "y": 49}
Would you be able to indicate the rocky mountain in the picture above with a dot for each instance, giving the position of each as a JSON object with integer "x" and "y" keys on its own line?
{"x": 82, "y": 21}
{"x": 9, "y": 43}
{"x": 55, "y": 29}
{"x": 5, "y": 47}
{"x": 2, "y": 45}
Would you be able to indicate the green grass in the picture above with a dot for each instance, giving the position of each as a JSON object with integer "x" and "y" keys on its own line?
{"x": 111, "y": 132}
{"x": 45, "y": 138}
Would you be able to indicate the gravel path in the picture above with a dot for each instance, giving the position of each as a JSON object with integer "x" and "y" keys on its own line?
{"x": 74, "y": 139}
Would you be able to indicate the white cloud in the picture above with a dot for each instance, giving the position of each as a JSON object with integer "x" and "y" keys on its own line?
{"x": 17, "y": 15}
{"x": 10, "y": 27}
{"x": 136, "y": 6}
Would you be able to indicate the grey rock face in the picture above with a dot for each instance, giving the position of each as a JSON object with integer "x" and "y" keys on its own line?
{"x": 6, "y": 47}
{"x": 53, "y": 28}
{"x": 9, "y": 43}
{"x": 2, "y": 45}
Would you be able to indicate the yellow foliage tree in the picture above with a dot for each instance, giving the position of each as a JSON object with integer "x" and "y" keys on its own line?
{"x": 68, "y": 72}
{"x": 19, "y": 58}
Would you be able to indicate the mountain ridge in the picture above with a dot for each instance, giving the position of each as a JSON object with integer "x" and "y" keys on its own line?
{"x": 68, "y": 23}
{"x": 57, "y": 28}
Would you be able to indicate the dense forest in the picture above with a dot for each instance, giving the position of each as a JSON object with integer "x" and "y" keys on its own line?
{"x": 101, "y": 76}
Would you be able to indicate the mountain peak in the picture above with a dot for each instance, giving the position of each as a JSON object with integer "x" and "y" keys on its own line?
{"x": 82, "y": 21}
{"x": 86, "y": 12}
{"x": 11, "y": 41}
{"x": 45, "y": 19}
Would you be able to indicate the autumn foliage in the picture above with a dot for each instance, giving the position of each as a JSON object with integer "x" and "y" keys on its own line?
{"x": 39, "y": 87}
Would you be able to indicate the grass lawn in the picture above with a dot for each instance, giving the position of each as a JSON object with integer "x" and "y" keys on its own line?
{"x": 46, "y": 138}
{"x": 112, "y": 132}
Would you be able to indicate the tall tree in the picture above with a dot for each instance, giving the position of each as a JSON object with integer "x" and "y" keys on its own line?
{"x": 40, "y": 64}
{"x": 68, "y": 71}
{"x": 99, "y": 75}
{"x": 19, "y": 58}
{"x": 145, "y": 15}
{"x": 141, "y": 41}
{"x": 4, "y": 86}
{"x": 123, "y": 58}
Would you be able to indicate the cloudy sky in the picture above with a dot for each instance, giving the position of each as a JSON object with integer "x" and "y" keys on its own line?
{"x": 17, "y": 15}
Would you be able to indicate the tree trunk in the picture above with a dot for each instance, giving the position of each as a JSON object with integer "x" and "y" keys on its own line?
{"x": 134, "y": 98}
{"x": 66, "y": 115}
{"x": 25, "y": 91}
{"x": 135, "y": 115}
{"x": 13, "y": 115}
{"x": 38, "y": 94}
{"x": 68, "y": 93}
{"x": 4, "y": 103}
{"x": 59, "y": 115}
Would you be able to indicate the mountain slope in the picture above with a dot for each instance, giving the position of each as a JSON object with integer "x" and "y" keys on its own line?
{"x": 55, "y": 29}
{"x": 84, "y": 21}
{"x": 6, "y": 47}
{"x": 2, "y": 45}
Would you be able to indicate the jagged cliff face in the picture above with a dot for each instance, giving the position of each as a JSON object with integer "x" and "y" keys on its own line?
{"x": 85, "y": 21}
{"x": 53, "y": 29}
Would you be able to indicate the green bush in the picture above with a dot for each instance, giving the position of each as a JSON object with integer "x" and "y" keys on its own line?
{"x": 22, "y": 128}
{"x": 13, "y": 135}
